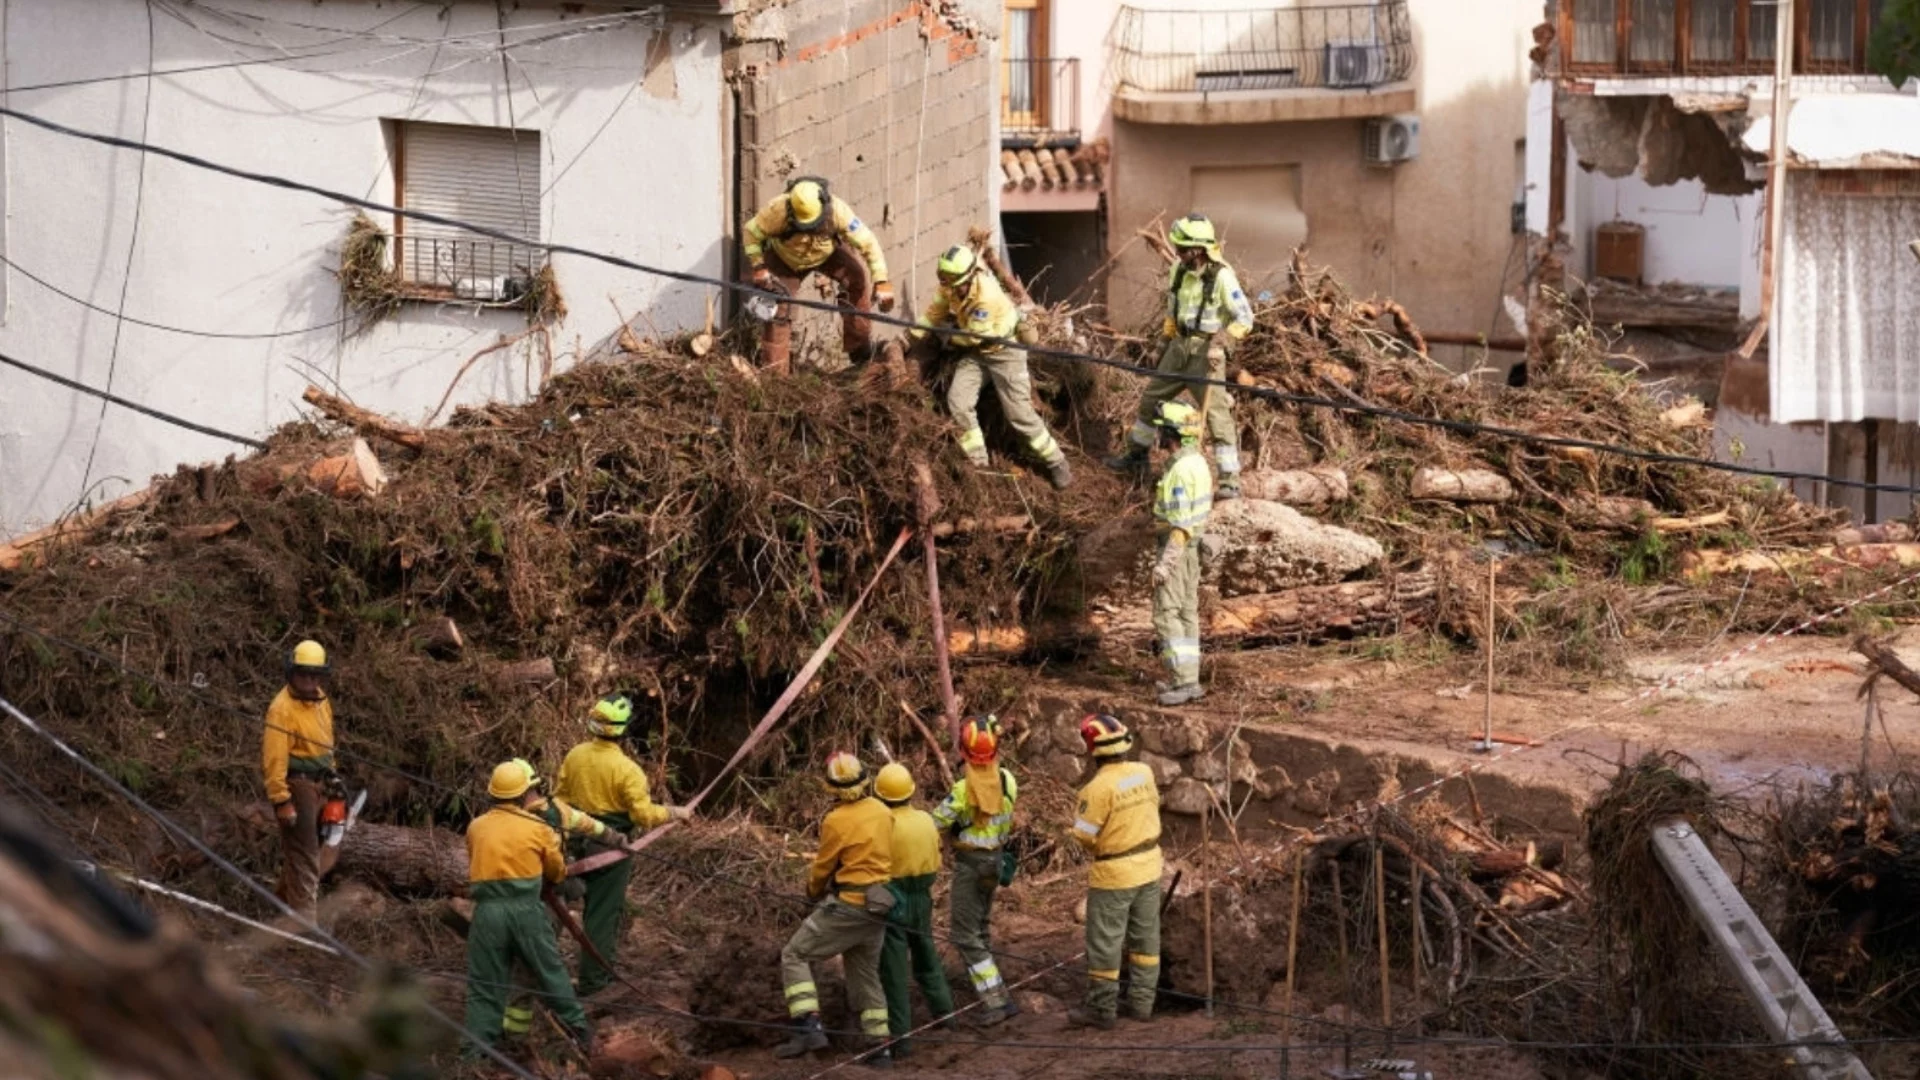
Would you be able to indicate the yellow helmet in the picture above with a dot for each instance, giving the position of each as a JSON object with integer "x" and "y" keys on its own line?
{"x": 511, "y": 779}
{"x": 807, "y": 202}
{"x": 846, "y": 776}
{"x": 894, "y": 784}
{"x": 309, "y": 657}
{"x": 957, "y": 264}
{"x": 1180, "y": 419}
{"x": 610, "y": 716}
{"x": 1191, "y": 231}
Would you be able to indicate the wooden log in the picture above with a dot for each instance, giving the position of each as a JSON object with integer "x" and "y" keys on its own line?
{"x": 204, "y": 532}
{"x": 1692, "y": 524}
{"x": 1890, "y": 532}
{"x": 967, "y": 526}
{"x": 14, "y": 554}
{"x": 982, "y": 242}
{"x": 413, "y": 862}
{"x": 438, "y": 636}
{"x": 1464, "y": 485}
{"x": 1317, "y": 486}
{"x": 1320, "y": 611}
{"x": 1710, "y": 563}
{"x": 986, "y": 640}
{"x": 363, "y": 421}
{"x": 1620, "y": 512}
{"x": 351, "y": 475}
{"x": 526, "y": 671}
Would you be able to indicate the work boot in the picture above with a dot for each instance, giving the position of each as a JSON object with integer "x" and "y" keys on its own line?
{"x": 1181, "y": 695}
{"x": 1082, "y": 1017}
{"x": 808, "y": 1037}
{"x": 880, "y": 1057}
{"x": 583, "y": 1042}
{"x": 1060, "y": 475}
{"x": 1137, "y": 1014}
{"x": 994, "y": 1015}
{"x": 1131, "y": 460}
{"x": 1229, "y": 487}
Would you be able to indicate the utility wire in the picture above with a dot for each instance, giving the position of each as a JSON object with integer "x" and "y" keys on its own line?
{"x": 193, "y": 841}
{"x": 145, "y": 410}
{"x": 1464, "y": 427}
{"x": 182, "y": 330}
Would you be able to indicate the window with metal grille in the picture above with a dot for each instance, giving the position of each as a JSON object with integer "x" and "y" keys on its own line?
{"x": 483, "y": 175}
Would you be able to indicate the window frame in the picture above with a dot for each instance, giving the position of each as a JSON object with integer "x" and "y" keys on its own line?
{"x": 425, "y": 288}
{"x": 1743, "y": 62}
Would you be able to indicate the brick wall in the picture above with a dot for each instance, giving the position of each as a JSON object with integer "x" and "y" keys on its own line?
{"x": 893, "y": 102}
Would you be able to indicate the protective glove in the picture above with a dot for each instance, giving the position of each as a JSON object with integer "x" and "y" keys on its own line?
{"x": 614, "y": 838}
{"x": 1168, "y": 328}
{"x": 572, "y": 890}
{"x": 1238, "y": 331}
{"x": 762, "y": 278}
{"x": 286, "y": 813}
{"x": 883, "y": 296}
{"x": 679, "y": 813}
{"x": 1163, "y": 567}
{"x": 1026, "y": 333}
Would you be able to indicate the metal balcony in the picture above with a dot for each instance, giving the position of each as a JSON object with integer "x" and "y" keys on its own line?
{"x": 1040, "y": 102}
{"x": 1316, "y": 56}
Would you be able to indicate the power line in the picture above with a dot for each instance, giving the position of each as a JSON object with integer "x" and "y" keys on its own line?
{"x": 182, "y": 330}
{"x": 1457, "y": 426}
{"x": 238, "y": 874}
{"x": 177, "y": 421}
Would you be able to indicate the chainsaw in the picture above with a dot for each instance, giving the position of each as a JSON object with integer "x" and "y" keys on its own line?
{"x": 338, "y": 815}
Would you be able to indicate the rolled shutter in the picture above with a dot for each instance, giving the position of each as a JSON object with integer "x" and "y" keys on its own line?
{"x": 487, "y": 176}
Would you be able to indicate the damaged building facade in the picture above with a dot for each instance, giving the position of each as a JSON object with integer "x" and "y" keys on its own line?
{"x": 1651, "y": 124}
{"x": 1387, "y": 137}
{"x": 645, "y": 131}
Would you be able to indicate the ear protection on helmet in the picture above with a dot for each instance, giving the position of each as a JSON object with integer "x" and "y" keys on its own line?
{"x": 826, "y": 203}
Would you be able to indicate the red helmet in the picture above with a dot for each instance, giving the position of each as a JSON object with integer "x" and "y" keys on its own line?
{"x": 980, "y": 739}
{"x": 1105, "y": 735}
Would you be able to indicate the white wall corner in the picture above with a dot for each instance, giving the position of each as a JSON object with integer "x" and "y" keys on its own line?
{"x": 1539, "y": 154}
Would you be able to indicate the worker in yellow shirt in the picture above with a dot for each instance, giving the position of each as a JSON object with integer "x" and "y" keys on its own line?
{"x": 1118, "y": 823}
{"x": 1182, "y": 502}
{"x": 1207, "y": 314}
{"x": 910, "y": 950}
{"x": 569, "y": 824}
{"x": 511, "y": 855}
{"x": 971, "y": 300}
{"x": 848, "y": 882}
{"x": 599, "y": 779}
{"x": 296, "y": 761}
{"x": 806, "y": 229}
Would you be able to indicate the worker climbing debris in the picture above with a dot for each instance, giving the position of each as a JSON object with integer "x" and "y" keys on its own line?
{"x": 296, "y": 762}
{"x": 1181, "y": 503}
{"x": 849, "y": 885}
{"x": 978, "y": 813}
{"x": 1118, "y": 822}
{"x": 569, "y": 824}
{"x": 599, "y": 779}
{"x": 910, "y": 953}
{"x": 1207, "y": 312}
{"x": 806, "y": 229}
{"x": 973, "y": 302}
{"x": 512, "y": 854}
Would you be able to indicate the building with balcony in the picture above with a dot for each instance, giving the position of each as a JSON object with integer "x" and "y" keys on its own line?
{"x": 1652, "y": 123}
{"x": 1387, "y": 137}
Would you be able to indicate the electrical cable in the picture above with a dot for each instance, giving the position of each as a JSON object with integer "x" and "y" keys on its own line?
{"x": 214, "y": 857}
{"x": 145, "y": 410}
{"x": 164, "y": 327}
{"x": 126, "y": 277}
{"x": 1464, "y": 427}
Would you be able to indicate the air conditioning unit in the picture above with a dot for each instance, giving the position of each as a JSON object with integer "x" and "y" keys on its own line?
{"x": 1356, "y": 65}
{"x": 1389, "y": 140}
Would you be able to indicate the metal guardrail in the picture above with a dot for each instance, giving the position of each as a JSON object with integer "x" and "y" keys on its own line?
{"x": 1350, "y": 46}
{"x": 489, "y": 271}
{"x": 1040, "y": 97}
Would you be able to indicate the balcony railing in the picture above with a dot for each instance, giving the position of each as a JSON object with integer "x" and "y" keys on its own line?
{"x": 1352, "y": 46}
{"x": 466, "y": 268}
{"x": 1712, "y": 37}
{"x": 1039, "y": 99}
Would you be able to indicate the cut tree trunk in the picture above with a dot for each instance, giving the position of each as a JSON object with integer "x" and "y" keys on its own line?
{"x": 1310, "y": 613}
{"x": 14, "y": 554}
{"x": 967, "y": 526}
{"x": 1464, "y": 485}
{"x": 526, "y": 671}
{"x": 366, "y": 423}
{"x": 1887, "y": 661}
{"x": 352, "y": 475}
{"x": 438, "y": 637}
{"x": 1296, "y": 487}
{"x": 414, "y": 862}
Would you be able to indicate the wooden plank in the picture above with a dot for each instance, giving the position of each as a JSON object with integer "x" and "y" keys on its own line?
{"x": 1683, "y": 35}
{"x": 1623, "y": 35}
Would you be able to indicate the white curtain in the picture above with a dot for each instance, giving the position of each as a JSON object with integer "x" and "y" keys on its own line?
{"x": 1845, "y": 344}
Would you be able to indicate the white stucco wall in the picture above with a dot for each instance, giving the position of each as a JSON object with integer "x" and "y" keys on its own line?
{"x": 1692, "y": 237}
{"x": 634, "y": 165}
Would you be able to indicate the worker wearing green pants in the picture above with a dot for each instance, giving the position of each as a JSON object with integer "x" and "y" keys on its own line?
{"x": 599, "y": 778}
{"x": 909, "y": 949}
{"x": 512, "y": 854}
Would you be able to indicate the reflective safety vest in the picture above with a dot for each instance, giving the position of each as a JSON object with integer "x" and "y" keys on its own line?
{"x": 1184, "y": 496}
{"x": 976, "y": 830}
{"x": 1203, "y": 303}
